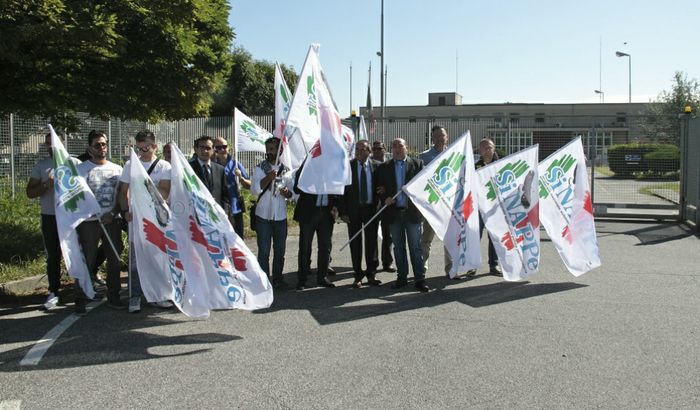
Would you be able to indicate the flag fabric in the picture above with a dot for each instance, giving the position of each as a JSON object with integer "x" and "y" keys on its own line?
{"x": 283, "y": 100}
{"x": 349, "y": 140}
{"x": 211, "y": 252}
{"x": 303, "y": 124}
{"x": 566, "y": 209}
{"x": 74, "y": 202}
{"x": 509, "y": 206}
{"x": 249, "y": 135}
{"x": 445, "y": 193}
{"x": 370, "y": 110}
{"x": 161, "y": 272}
{"x": 362, "y": 131}
{"x": 327, "y": 168}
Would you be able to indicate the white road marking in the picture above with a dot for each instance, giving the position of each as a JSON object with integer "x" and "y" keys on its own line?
{"x": 36, "y": 353}
{"x": 10, "y": 404}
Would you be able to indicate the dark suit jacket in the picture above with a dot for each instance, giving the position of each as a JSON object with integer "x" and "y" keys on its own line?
{"x": 351, "y": 197}
{"x": 386, "y": 177}
{"x": 218, "y": 189}
{"x": 306, "y": 204}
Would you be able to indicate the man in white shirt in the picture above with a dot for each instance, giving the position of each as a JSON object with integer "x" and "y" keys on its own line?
{"x": 102, "y": 177}
{"x": 271, "y": 184}
{"x": 145, "y": 146}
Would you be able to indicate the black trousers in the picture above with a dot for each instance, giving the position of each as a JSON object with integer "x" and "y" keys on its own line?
{"x": 237, "y": 223}
{"x": 89, "y": 235}
{"x": 320, "y": 225}
{"x": 49, "y": 233}
{"x": 370, "y": 239}
{"x": 387, "y": 246}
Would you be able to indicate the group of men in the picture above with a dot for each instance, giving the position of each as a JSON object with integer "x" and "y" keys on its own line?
{"x": 375, "y": 187}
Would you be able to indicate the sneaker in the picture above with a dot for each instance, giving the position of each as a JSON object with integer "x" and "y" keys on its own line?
{"x": 51, "y": 301}
{"x": 80, "y": 307}
{"x": 163, "y": 304}
{"x": 116, "y": 304}
{"x": 135, "y": 304}
{"x": 495, "y": 271}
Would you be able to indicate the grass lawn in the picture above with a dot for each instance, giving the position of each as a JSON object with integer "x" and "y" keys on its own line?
{"x": 648, "y": 190}
{"x": 603, "y": 170}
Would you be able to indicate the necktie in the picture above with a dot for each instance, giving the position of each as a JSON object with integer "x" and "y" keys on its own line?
{"x": 363, "y": 185}
{"x": 207, "y": 176}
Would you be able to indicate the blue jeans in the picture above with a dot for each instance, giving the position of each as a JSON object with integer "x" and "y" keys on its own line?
{"x": 274, "y": 232}
{"x": 402, "y": 229}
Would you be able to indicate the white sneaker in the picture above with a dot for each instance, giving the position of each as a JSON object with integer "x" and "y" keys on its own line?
{"x": 135, "y": 304}
{"x": 51, "y": 301}
{"x": 163, "y": 304}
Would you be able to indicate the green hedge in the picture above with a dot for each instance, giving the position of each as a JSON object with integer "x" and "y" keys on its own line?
{"x": 644, "y": 159}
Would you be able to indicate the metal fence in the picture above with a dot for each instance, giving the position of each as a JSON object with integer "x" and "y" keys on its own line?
{"x": 653, "y": 195}
{"x": 690, "y": 166}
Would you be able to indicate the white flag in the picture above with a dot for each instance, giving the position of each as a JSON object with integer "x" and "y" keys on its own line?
{"x": 349, "y": 140}
{"x": 363, "y": 130}
{"x": 209, "y": 248}
{"x": 327, "y": 168}
{"x": 74, "y": 203}
{"x": 161, "y": 273}
{"x": 303, "y": 125}
{"x": 566, "y": 210}
{"x": 509, "y": 206}
{"x": 283, "y": 100}
{"x": 445, "y": 193}
{"x": 249, "y": 135}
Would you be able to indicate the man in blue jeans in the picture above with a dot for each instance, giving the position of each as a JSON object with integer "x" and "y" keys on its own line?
{"x": 272, "y": 185}
{"x": 402, "y": 215}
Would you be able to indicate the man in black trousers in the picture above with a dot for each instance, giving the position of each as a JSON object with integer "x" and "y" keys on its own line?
{"x": 316, "y": 214}
{"x": 359, "y": 205}
{"x": 208, "y": 171}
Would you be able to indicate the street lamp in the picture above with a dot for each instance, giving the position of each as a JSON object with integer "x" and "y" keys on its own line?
{"x": 602, "y": 95}
{"x": 629, "y": 75}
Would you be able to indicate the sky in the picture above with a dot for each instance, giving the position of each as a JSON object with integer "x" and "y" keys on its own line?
{"x": 488, "y": 51}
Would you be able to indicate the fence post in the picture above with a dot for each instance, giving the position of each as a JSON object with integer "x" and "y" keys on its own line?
{"x": 109, "y": 137}
{"x": 12, "y": 154}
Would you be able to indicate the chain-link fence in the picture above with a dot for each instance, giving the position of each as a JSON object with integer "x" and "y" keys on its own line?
{"x": 690, "y": 166}
{"x": 626, "y": 181}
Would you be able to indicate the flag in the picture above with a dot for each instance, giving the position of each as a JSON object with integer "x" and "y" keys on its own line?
{"x": 445, "y": 193}
{"x": 283, "y": 100}
{"x": 161, "y": 273}
{"x": 509, "y": 206}
{"x": 370, "y": 110}
{"x": 566, "y": 209}
{"x": 327, "y": 168}
{"x": 74, "y": 203}
{"x": 249, "y": 135}
{"x": 349, "y": 140}
{"x": 363, "y": 129}
{"x": 210, "y": 251}
{"x": 303, "y": 123}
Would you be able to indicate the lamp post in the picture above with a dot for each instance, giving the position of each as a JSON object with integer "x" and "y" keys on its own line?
{"x": 601, "y": 95}
{"x": 629, "y": 75}
{"x": 381, "y": 64}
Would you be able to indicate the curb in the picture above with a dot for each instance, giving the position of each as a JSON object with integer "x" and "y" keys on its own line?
{"x": 23, "y": 286}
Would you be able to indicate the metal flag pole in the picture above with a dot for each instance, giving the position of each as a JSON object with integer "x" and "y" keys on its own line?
{"x": 364, "y": 225}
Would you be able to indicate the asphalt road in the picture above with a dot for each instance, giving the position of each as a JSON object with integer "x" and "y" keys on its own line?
{"x": 622, "y": 336}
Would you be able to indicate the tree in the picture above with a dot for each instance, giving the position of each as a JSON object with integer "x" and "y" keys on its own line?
{"x": 661, "y": 123}
{"x": 145, "y": 59}
{"x": 250, "y": 86}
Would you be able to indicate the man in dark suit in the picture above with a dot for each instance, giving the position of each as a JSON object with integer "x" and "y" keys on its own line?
{"x": 402, "y": 215}
{"x": 208, "y": 171}
{"x": 315, "y": 214}
{"x": 359, "y": 205}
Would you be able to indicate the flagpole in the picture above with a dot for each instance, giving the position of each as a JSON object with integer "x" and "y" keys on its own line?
{"x": 109, "y": 239}
{"x": 364, "y": 225}
{"x": 511, "y": 230}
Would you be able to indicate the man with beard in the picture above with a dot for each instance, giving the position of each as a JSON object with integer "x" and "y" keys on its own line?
{"x": 271, "y": 184}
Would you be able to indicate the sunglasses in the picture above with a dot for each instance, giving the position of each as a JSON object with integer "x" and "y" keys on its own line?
{"x": 221, "y": 147}
{"x": 99, "y": 145}
{"x": 144, "y": 149}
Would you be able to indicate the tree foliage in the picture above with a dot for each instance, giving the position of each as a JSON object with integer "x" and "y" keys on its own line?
{"x": 662, "y": 124}
{"x": 135, "y": 59}
{"x": 250, "y": 86}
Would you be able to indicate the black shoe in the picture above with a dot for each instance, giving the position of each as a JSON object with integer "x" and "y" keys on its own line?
{"x": 457, "y": 277}
{"x": 495, "y": 271}
{"x": 80, "y": 307}
{"x": 389, "y": 269}
{"x": 280, "y": 284}
{"x": 301, "y": 286}
{"x": 324, "y": 282}
{"x": 399, "y": 283}
{"x": 330, "y": 271}
{"x": 421, "y": 286}
{"x": 471, "y": 272}
{"x": 116, "y": 304}
{"x": 357, "y": 284}
{"x": 371, "y": 280}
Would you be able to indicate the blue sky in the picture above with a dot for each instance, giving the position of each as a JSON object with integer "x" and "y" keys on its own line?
{"x": 516, "y": 51}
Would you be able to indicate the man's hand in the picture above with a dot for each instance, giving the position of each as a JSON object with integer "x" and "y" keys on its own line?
{"x": 237, "y": 172}
{"x": 128, "y": 216}
{"x": 107, "y": 218}
{"x": 389, "y": 201}
{"x": 334, "y": 212}
{"x": 345, "y": 219}
{"x": 380, "y": 190}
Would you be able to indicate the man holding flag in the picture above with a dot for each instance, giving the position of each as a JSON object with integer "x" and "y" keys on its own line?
{"x": 102, "y": 177}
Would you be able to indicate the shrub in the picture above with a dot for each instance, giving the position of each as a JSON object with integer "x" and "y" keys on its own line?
{"x": 649, "y": 160}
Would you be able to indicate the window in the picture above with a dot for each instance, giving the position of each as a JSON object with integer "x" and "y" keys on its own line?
{"x": 441, "y": 100}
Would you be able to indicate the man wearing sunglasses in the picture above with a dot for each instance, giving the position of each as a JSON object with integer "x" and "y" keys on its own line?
{"x": 102, "y": 177}
{"x": 145, "y": 147}
{"x": 236, "y": 176}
